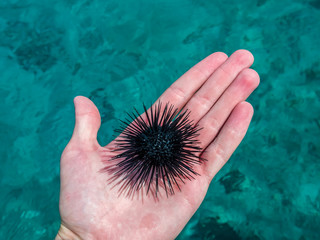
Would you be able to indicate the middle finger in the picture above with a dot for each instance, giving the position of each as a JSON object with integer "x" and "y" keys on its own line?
{"x": 213, "y": 88}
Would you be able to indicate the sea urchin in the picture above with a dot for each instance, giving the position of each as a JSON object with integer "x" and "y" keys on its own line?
{"x": 158, "y": 148}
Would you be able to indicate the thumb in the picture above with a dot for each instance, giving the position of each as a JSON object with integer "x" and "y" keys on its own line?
{"x": 87, "y": 121}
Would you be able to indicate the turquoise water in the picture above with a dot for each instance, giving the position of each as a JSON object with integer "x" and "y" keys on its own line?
{"x": 122, "y": 53}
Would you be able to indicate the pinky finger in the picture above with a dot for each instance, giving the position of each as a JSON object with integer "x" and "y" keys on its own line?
{"x": 220, "y": 150}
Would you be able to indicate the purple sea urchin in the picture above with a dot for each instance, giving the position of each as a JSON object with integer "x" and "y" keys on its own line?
{"x": 156, "y": 149}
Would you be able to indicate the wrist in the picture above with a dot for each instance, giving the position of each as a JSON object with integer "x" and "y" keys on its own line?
{"x": 66, "y": 234}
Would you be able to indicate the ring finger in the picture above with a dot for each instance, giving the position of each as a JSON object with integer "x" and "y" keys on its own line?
{"x": 238, "y": 91}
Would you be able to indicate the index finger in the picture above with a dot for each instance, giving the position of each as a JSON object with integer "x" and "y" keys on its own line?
{"x": 183, "y": 89}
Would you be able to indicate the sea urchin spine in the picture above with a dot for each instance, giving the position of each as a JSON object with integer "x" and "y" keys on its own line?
{"x": 158, "y": 148}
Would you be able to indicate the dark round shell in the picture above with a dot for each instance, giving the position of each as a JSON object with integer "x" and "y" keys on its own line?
{"x": 156, "y": 149}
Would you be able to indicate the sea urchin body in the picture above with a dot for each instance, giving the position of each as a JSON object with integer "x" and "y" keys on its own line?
{"x": 156, "y": 149}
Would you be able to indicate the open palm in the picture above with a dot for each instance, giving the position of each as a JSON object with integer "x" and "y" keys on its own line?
{"x": 214, "y": 91}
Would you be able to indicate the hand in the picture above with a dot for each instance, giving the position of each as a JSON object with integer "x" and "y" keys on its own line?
{"x": 214, "y": 91}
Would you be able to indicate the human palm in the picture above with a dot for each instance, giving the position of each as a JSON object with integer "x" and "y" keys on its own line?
{"x": 214, "y": 91}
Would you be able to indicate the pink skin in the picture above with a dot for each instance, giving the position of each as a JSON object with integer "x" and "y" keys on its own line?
{"x": 215, "y": 91}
